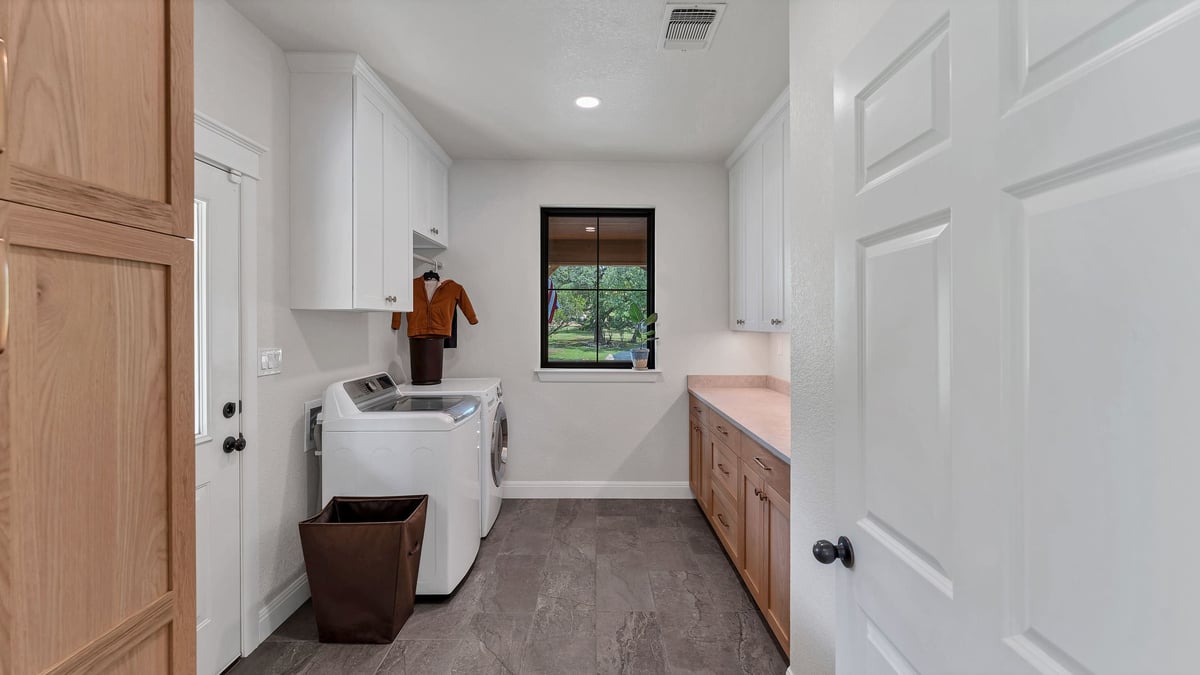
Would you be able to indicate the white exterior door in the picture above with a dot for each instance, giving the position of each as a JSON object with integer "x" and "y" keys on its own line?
{"x": 1018, "y": 213}
{"x": 218, "y": 417}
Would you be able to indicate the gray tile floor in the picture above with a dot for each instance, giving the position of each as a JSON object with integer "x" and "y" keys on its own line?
{"x": 569, "y": 587}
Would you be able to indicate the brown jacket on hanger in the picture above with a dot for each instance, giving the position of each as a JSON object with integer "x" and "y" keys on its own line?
{"x": 433, "y": 318}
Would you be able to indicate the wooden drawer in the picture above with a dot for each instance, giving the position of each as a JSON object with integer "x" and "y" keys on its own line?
{"x": 725, "y": 521}
{"x": 697, "y": 410}
{"x": 725, "y": 469}
{"x": 774, "y": 471}
{"x": 724, "y": 431}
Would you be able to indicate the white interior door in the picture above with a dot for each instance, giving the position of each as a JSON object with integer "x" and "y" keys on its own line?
{"x": 1018, "y": 213}
{"x": 218, "y": 419}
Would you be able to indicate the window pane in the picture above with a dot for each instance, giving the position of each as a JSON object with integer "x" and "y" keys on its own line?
{"x": 622, "y": 240}
{"x": 623, "y": 277}
{"x": 572, "y": 253}
{"x": 572, "y": 327}
{"x": 621, "y": 328}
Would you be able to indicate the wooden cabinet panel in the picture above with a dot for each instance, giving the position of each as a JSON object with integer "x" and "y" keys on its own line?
{"x": 754, "y": 534}
{"x": 698, "y": 410}
{"x": 695, "y": 444}
{"x": 96, "y": 455}
{"x": 776, "y": 600}
{"x": 706, "y": 464}
{"x": 725, "y": 521}
{"x": 99, "y": 110}
{"x": 725, "y": 469}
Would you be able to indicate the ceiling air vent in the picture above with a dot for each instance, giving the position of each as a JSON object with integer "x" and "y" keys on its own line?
{"x": 689, "y": 27}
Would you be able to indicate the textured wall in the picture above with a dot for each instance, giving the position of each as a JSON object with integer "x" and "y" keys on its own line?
{"x": 594, "y": 431}
{"x": 823, "y": 32}
{"x": 242, "y": 81}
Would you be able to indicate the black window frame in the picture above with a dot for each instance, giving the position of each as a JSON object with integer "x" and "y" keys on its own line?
{"x": 584, "y": 212}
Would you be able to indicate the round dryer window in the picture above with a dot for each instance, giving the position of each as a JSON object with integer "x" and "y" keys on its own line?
{"x": 499, "y": 445}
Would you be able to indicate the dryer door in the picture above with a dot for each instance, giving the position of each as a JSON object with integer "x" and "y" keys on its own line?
{"x": 499, "y": 444}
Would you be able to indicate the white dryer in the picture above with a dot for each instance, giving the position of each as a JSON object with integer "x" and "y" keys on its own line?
{"x": 494, "y": 446}
{"x": 378, "y": 441}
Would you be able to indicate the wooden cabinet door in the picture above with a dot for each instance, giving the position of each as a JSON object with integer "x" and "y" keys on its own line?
{"x": 97, "y": 560}
{"x": 777, "y": 596}
{"x": 706, "y": 466}
{"x": 754, "y": 529}
{"x": 695, "y": 464}
{"x": 98, "y": 110}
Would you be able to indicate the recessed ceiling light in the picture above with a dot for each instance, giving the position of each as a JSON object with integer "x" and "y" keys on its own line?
{"x": 587, "y": 101}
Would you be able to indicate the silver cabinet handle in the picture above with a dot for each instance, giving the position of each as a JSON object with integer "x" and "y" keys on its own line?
{"x": 4, "y": 295}
{"x": 760, "y": 463}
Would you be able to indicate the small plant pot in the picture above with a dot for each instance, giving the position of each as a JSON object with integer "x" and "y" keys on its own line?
{"x": 641, "y": 358}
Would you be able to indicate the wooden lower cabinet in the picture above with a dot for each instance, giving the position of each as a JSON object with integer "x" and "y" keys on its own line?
{"x": 754, "y": 533}
{"x": 695, "y": 465}
{"x": 97, "y": 561}
{"x": 743, "y": 489}
{"x": 776, "y": 598}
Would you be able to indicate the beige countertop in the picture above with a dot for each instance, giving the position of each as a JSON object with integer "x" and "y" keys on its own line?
{"x": 757, "y": 405}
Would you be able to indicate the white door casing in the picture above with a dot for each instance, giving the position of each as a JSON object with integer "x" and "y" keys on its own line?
{"x": 1018, "y": 207}
{"x": 218, "y": 473}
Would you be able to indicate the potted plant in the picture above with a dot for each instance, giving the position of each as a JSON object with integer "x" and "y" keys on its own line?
{"x": 641, "y": 355}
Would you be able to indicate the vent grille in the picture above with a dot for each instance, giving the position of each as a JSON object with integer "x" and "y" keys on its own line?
{"x": 690, "y": 24}
{"x": 690, "y": 27}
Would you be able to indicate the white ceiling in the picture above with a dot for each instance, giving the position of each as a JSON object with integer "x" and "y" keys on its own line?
{"x": 497, "y": 79}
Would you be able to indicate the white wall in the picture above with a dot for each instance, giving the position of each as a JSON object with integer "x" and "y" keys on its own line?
{"x": 241, "y": 80}
{"x": 822, "y": 33}
{"x": 594, "y": 431}
{"x": 779, "y": 355}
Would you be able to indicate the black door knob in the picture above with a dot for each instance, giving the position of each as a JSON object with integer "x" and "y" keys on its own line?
{"x": 232, "y": 443}
{"x": 826, "y": 552}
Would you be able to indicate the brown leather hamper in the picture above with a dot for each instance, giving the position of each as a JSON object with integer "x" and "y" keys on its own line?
{"x": 362, "y": 555}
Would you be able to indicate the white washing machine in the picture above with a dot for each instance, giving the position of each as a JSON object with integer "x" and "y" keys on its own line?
{"x": 494, "y": 447}
{"x": 378, "y": 441}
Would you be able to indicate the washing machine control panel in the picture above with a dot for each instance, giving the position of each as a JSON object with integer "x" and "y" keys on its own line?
{"x": 366, "y": 388}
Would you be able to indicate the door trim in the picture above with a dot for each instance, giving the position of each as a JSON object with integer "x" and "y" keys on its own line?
{"x": 222, "y": 146}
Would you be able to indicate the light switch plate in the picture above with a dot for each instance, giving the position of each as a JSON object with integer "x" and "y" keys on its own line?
{"x": 270, "y": 361}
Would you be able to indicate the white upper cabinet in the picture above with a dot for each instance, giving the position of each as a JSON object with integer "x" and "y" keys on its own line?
{"x": 359, "y": 188}
{"x": 759, "y": 261}
{"x": 429, "y": 205}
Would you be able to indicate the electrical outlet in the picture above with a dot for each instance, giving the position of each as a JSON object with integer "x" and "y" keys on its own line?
{"x": 311, "y": 410}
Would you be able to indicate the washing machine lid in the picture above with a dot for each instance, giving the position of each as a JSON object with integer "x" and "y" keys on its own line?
{"x": 453, "y": 385}
{"x": 375, "y": 404}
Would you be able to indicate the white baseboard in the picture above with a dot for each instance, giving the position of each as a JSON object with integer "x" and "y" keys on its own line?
{"x": 537, "y": 489}
{"x": 272, "y": 616}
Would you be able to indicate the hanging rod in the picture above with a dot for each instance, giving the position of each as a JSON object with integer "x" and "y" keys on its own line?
{"x": 437, "y": 264}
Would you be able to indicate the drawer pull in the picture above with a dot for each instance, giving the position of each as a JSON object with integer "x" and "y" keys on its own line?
{"x": 722, "y": 430}
{"x": 760, "y": 463}
{"x": 721, "y": 518}
{"x": 722, "y": 468}
{"x": 762, "y": 496}
{"x": 758, "y": 493}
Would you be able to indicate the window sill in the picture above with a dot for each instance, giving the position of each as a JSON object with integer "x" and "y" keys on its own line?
{"x": 597, "y": 375}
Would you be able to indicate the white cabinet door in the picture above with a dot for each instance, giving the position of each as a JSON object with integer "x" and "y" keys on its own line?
{"x": 1017, "y": 323}
{"x": 370, "y": 250}
{"x": 397, "y": 233}
{"x": 737, "y": 287}
{"x": 424, "y": 192}
{"x": 438, "y": 206}
{"x": 751, "y": 240}
{"x": 774, "y": 249}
